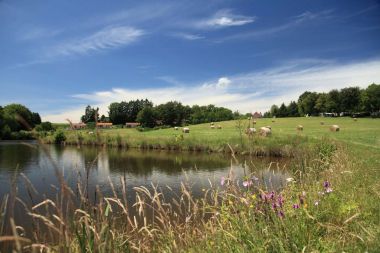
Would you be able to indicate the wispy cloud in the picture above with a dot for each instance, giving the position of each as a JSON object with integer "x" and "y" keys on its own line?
{"x": 107, "y": 38}
{"x": 247, "y": 92}
{"x": 274, "y": 30}
{"x": 224, "y": 18}
{"x": 33, "y": 33}
{"x": 188, "y": 36}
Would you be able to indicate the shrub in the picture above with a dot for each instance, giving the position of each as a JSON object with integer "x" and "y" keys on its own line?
{"x": 44, "y": 126}
{"x": 59, "y": 137}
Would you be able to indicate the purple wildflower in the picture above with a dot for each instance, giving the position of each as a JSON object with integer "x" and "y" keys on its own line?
{"x": 222, "y": 181}
{"x": 247, "y": 183}
{"x": 326, "y": 184}
{"x": 271, "y": 195}
{"x": 281, "y": 214}
{"x": 255, "y": 178}
{"x": 280, "y": 201}
{"x": 296, "y": 206}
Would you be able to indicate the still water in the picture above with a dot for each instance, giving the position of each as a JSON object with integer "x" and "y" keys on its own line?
{"x": 97, "y": 167}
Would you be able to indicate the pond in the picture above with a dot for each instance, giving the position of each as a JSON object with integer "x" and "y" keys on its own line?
{"x": 96, "y": 167}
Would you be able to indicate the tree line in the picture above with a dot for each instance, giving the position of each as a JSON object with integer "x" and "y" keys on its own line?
{"x": 349, "y": 101}
{"x": 172, "y": 113}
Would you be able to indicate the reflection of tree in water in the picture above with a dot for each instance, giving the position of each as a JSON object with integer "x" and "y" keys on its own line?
{"x": 17, "y": 155}
{"x": 170, "y": 163}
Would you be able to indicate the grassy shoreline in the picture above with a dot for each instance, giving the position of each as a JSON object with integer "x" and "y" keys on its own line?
{"x": 332, "y": 203}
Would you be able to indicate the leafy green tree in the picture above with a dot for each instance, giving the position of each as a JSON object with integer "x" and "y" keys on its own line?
{"x": 370, "y": 98}
{"x": 292, "y": 109}
{"x": 147, "y": 117}
{"x": 120, "y": 113}
{"x": 282, "y": 111}
{"x": 18, "y": 117}
{"x": 36, "y": 118}
{"x": 274, "y": 110}
{"x": 172, "y": 113}
{"x": 306, "y": 103}
{"x": 90, "y": 114}
{"x": 333, "y": 101}
{"x": 320, "y": 104}
{"x": 350, "y": 99}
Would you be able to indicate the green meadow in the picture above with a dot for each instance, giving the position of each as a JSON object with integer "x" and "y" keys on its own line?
{"x": 330, "y": 204}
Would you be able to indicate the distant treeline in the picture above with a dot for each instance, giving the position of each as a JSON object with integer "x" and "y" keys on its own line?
{"x": 348, "y": 101}
{"x": 169, "y": 114}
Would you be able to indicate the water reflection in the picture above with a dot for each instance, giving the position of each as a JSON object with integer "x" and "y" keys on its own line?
{"x": 95, "y": 166}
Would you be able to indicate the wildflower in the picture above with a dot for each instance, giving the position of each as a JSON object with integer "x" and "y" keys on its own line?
{"x": 203, "y": 189}
{"x": 329, "y": 189}
{"x": 222, "y": 181}
{"x": 247, "y": 183}
{"x": 271, "y": 195}
{"x": 280, "y": 200}
{"x": 303, "y": 193}
{"x": 326, "y": 184}
{"x": 281, "y": 214}
{"x": 316, "y": 203}
{"x": 305, "y": 205}
{"x": 251, "y": 206}
{"x": 253, "y": 196}
{"x": 296, "y": 206}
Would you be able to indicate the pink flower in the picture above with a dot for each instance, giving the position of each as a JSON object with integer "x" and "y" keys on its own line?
{"x": 222, "y": 181}
{"x": 247, "y": 183}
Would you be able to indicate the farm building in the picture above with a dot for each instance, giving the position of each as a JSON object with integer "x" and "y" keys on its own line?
{"x": 132, "y": 124}
{"x": 257, "y": 115}
{"x": 79, "y": 125}
{"x": 103, "y": 125}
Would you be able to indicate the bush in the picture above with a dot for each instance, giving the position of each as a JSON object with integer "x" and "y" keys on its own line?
{"x": 6, "y": 133}
{"x": 44, "y": 126}
{"x": 59, "y": 137}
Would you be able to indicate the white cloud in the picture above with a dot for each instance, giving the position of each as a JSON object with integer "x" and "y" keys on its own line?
{"x": 244, "y": 92}
{"x": 107, "y": 38}
{"x": 188, "y": 36}
{"x": 224, "y": 18}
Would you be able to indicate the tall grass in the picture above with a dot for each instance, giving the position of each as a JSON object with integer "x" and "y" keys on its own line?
{"x": 315, "y": 212}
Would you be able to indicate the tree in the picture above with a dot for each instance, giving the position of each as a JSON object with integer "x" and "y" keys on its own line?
{"x": 90, "y": 114}
{"x": 18, "y": 117}
{"x": 350, "y": 99}
{"x": 282, "y": 111}
{"x": 274, "y": 110}
{"x": 172, "y": 113}
{"x": 306, "y": 103}
{"x": 292, "y": 109}
{"x": 147, "y": 117}
{"x": 120, "y": 113}
{"x": 370, "y": 98}
{"x": 320, "y": 104}
{"x": 36, "y": 119}
{"x": 333, "y": 101}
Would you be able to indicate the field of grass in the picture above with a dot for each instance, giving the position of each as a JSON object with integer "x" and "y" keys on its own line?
{"x": 331, "y": 204}
{"x": 364, "y": 132}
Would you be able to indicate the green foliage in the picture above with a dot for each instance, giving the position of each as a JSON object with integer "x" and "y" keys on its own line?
{"x": 59, "y": 137}
{"x": 6, "y": 133}
{"x": 18, "y": 117}
{"x": 147, "y": 117}
{"x": 350, "y": 100}
{"x": 90, "y": 114}
{"x": 45, "y": 126}
{"x": 120, "y": 113}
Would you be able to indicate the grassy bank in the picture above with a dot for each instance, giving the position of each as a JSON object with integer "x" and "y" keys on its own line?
{"x": 331, "y": 203}
{"x": 365, "y": 132}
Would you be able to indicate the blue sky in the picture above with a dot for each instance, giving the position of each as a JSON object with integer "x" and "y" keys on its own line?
{"x": 58, "y": 56}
